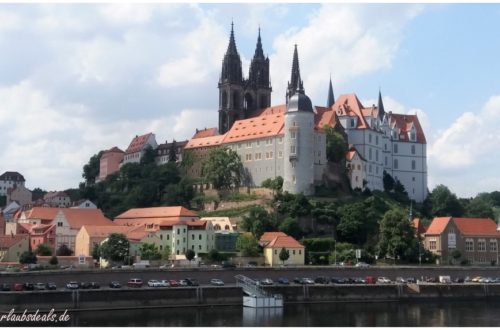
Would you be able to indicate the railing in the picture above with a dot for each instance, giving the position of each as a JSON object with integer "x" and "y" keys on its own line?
{"x": 252, "y": 287}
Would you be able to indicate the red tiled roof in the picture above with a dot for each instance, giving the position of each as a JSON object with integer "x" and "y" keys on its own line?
{"x": 6, "y": 241}
{"x": 477, "y": 226}
{"x": 113, "y": 150}
{"x": 419, "y": 227}
{"x": 138, "y": 143}
{"x": 268, "y": 236}
{"x": 205, "y": 142}
{"x": 349, "y": 105}
{"x": 105, "y": 231}
{"x": 203, "y": 133}
{"x": 405, "y": 123}
{"x": 276, "y": 109}
{"x": 437, "y": 226}
{"x": 352, "y": 152}
{"x": 255, "y": 128}
{"x": 284, "y": 242}
{"x": 43, "y": 213}
{"x": 157, "y": 212}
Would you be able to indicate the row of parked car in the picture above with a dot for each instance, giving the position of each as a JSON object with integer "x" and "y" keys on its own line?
{"x": 137, "y": 283}
{"x": 27, "y": 286}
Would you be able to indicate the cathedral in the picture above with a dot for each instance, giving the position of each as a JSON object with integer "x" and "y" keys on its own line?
{"x": 288, "y": 139}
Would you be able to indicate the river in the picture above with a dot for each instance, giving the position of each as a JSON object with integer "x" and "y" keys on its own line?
{"x": 389, "y": 314}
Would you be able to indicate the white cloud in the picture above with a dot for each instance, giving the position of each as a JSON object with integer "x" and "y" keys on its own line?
{"x": 127, "y": 13}
{"x": 465, "y": 155}
{"x": 9, "y": 20}
{"x": 345, "y": 40}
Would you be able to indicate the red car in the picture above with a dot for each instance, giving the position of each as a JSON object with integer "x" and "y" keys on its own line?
{"x": 174, "y": 283}
{"x": 134, "y": 283}
{"x": 17, "y": 287}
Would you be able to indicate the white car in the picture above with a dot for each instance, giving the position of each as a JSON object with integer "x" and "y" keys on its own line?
{"x": 362, "y": 265}
{"x": 216, "y": 282}
{"x": 307, "y": 280}
{"x": 154, "y": 283}
{"x": 383, "y": 280}
{"x": 164, "y": 283}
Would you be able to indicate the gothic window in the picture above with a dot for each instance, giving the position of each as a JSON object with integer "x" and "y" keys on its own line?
{"x": 413, "y": 164}
{"x": 396, "y": 164}
{"x": 413, "y": 149}
{"x": 263, "y": 101}
{"x": 236, "y": 100}
{"x": 224, "y": 99}
{"x": 248, "y": 101}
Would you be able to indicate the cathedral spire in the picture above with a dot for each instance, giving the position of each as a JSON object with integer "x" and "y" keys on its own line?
{"x": 381, "y": 111}
{"x": 259, "y": 53}
{"x": 231, "y": 48}
{"x": 231, "y": 65}
{"x": 295, "y": 84}
{"x": 331, "y": 99}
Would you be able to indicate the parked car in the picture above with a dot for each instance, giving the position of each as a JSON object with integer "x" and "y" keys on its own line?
{"x": 476, "y": 279}
{"x": 411, "y": 280}
{"x": 266, "y": 281}
{"x": 18, "y": 287}
{"x": 362, "y": 265}
{"x": 486, "y": 280}
{"x": 383, "y": 280}
{"x": 29, "y": 286}
{"x": 297, "y": 280}
{"x": 400, "y": 280}
{"x": 153, "y": 283}
{"x": 164, "y": 283}
{"x": 283, "y": 280}
{"x": 192, "y": 282}
{"x": 458, "y": 280}
{"x": 73, "y": 285}
{"x": 216, "y": 282}
{"x": 115, "y": 285}
{"x": 174, "y": 283}
{"x": 134, "y": 283}
{"x": 183, "y": 283}
{"x": 307, "y": 280}
{"x": 358, "y": 280}
{"x": 85, "y": 285}
{"x": 5, "y": 287}
{"x": 51, "y": 286}
{"x": 39, "y": 286}
{"x": 94, "y": 285}
{"x": 339, "y": 280}
{"x": 321, "y": 280}
{"x": 431, "y": 279}
{"x": 370, "y": 280}
{"x": 228, "y": 265}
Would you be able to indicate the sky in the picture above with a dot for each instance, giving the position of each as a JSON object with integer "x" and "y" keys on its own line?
{"x": 77, "y": 79}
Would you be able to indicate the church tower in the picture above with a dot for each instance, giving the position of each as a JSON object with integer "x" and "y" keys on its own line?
{"x": 258, "y": 86}
{"x": 295, "y": 85}
{"x": 231, "y": 87}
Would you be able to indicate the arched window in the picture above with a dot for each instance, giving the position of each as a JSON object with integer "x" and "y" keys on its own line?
{"x": 236, "y": 100}
{"x": 224, "y": 99}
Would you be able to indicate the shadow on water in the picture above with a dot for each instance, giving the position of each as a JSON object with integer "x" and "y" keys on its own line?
{"x": 429, "y": 314}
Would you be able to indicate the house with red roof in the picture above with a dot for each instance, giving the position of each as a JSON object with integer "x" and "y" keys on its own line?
{"x": 109, "y": 162}
{"x": 356, "y": 168}
{"x": 12, "y": 246}
{"x": 57, "y": 199}
{"x": 164, "y": 151}
{"x": 137, "y": 147}
{"x": 477, "y": 239}
{"x": 274, "y": 242}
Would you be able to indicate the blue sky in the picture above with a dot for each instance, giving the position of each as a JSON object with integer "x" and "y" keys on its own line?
{"x": 76, "y": 79}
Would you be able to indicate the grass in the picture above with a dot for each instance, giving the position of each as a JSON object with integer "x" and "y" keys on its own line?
{"x": 235, "y": 212}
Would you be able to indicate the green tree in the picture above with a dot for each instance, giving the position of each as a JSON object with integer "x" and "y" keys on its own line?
{"x": 188, "y": 159}
{"x": 284, "y": 255}
{"x": 172, "y": 154}
{"x": 479, "y": 207}
{"x": 248, "y": 245}
{"x": 167, "y": 251}
{"x": 91, "y": 169}
{"x": 96, "y": 251}
{"x": 257, "y": 221}
{"x": 275, "y": 184}
{"x": 190, "y": 254}
{"x": 445, "y": 203}
{"x": 214, "y": 255}
{"x": 388, "y": 182}
{"x": 336, "y": 145}
{"x": 291, "y": 227}
{"x": 37, "y": 194}
{"x": 352, "y": 220}
{"x": 223, "y": 168}
{"x": 54, "y": 261}
{"x": 397, "y": 236}
{"x": 43, "y": 250}
{"x": 115, "y": 248}
{"x": 27, "y": 257}
{"x": 149, "y": 251}
{"x": 64, "y": 250}
{"x": 149, "y": 155}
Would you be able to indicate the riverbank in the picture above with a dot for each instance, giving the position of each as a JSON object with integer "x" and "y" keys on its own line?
{"x": 111, "y": 299}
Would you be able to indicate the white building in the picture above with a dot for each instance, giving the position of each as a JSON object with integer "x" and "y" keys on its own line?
{"x": 10, "y": 180}
{"x": 137, "y": 147}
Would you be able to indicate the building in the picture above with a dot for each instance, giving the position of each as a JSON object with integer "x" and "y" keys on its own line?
{"x": 12, "y": 246}
{"x": 225, "y": 235}
{"x": 288, "y": 140}
{"x": 167, "y": 150}
{"x": 137, "y": 148}
{"x": 176, "y": 227}
{"x": 10, "y": 179}
{"x": 90, "y": 235}
{"x": 2, "y": 225}
{"x": 19, "y": 194}
{"x": 57, "y": 199}
{"x": 110, "y": 162}
{"x": 274, "y": 242}
{"x": 83, "y": 204}
{"x": 477, "y": 240}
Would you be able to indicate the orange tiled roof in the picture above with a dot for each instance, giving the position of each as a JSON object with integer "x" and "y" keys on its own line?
{"x": 349, "y": 105}
{"x": 157, "y": 212}
{"x": 405, "y": 123}
{"x": 6, "y": 241}
{"x": 268, "y": 236}
{"x": 138, "y": 143}
{"x": 104, "y": 231}
{"x": 437, "y": 226}
{"x": 113, "y": 150}
{"x": 284, "y": 242}
{"x": 419, "y": 227}
{"x": 276, "y": 109}
{"x": 203, "y": 133}
{"x": 77, "y": 218}
{"x": 43, "y": 213}
{"x": 352, "y": 152}
{"x": 209, "y": 141}
{"x": 254, "y": 128}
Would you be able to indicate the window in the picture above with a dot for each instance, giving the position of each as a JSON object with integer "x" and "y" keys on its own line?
{"x": 413, "y": 164}
{"x": 396, "y": 164}
{"x": 359, "y": 167}
{"x": 293, "y": 252}
{"x": 257, "y": 143}
{"x": 469, "y": 245}
{"x": 192, "y": 247}
{"x": 168, "y": 237}
{"x": 369, "y": 138}
{"x": 481, "y": 245}
{"x": 294, "y": 124}
{"x": 376, "y": 139}
{"x": 300, "y": 251}
{"x": 59, "y": 224}
{"x": 353, "y": 123}
{"x": 248, "y": 157}
{"x": 269, "y": 155}
{"x": 493, "y": 245}
{"x": 292, "y": 150}
{"x": 432, "y": 245}
{"x": 275, "y": 252}
{"x": 413, "y": 149}
{"x": 280, "y": 154}
{"x": 258, "y": 156}
{"x": 249, "y": 144}
{"x": 199, "y": 237}
{"x": 370, "y": 168}
{"x": 192, "y": 236}
{"x": 280, "y": 140}
{"x": 376, "y": 155}
{"x": 184, "y": 230}
{"x": 199, "y": 247}
{"x": 370, "y": 153}
{"x": 269, "y": 141}
{"x": 395, "y": 148}
{"x": 293, "y": 135}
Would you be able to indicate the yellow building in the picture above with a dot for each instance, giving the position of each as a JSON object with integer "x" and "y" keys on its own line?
{"x": 274, "y": 242}
{"x": 12, "y": 246}
{"x": 90, "y": 235}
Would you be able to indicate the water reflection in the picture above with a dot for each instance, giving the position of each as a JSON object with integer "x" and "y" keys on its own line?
{"x": 428, "y": 314}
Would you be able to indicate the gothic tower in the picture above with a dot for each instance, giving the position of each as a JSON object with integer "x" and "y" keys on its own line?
{"x": 295, "y": 84}
{"x": 258, "y": 87}
{"x": 230, "y": 87}
{"x": 331, "y": 99}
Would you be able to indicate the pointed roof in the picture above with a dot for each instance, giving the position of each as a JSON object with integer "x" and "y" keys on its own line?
{"x": 284, "y": 242}
{"x": 77, "y": 218}
{"x": 259, "y": 52}
{"x": 295, "y": 84}
{"x": 138, "y": 143}
{"x": 467, "y": 226}
{"x": 381, "y": 110}
{"x": 42, "y": 213}
{"x": 157, "y": 212}
{"x": 331, "y": 99}
{"x": 231, "y": 48}
{"x": 231, "y": 65}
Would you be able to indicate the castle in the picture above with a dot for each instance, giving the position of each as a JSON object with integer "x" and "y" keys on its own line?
{"x": 288, "y": 140}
